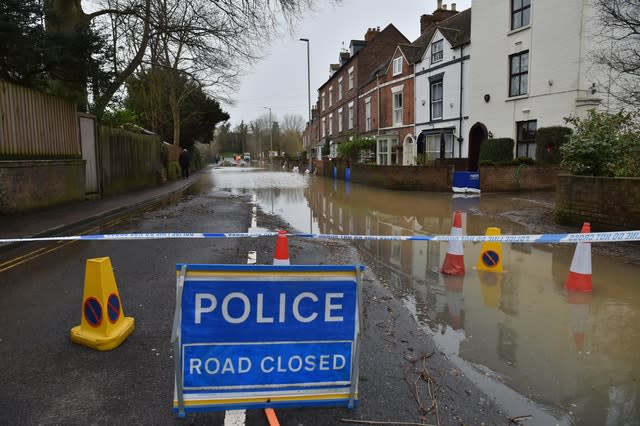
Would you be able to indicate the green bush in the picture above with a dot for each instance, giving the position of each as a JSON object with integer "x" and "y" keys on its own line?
{"x": 603, "y": 144}
{"x": 350, "y": 150}
{"x": 548, "y": 143}
{"x": 173, "y": 170}
{"x": 523, "y": 160}
{"x": 499, "y": 150}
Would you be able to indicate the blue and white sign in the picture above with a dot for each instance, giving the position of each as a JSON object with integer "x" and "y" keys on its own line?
{"x": 254, "y": 336}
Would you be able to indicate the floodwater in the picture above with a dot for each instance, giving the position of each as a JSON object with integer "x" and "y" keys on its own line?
{"x": 565, "y": 358}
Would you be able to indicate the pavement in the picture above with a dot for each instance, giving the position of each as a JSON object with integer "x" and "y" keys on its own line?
{"x": 57, "y": 220}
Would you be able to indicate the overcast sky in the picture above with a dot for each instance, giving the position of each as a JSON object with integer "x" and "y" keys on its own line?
{"x": 280, "y": 80}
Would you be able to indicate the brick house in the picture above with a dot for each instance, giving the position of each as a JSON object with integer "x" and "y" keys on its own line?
{"x": 337, "y": 97}
{"x": 386, "y": 106}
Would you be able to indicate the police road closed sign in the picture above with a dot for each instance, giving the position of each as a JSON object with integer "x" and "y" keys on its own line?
{"x": 253, "y": 336}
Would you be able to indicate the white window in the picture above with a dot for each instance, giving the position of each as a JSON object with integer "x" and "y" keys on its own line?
{"x": 330, "y": 124}
{"x": 324, "y": 128}
{"x": 340, "y": 88}
{"x": 397, "y": 108}
{"x": 397, "y": 66}
{"x": 330, "y": 96}
{"x": 438, "y": 145}
{"x": 323, "y": 105}
{"x": 436, "y": 51}
{"x": 350, "y": 78}
{"x": 384, "y": 147}
{"x": 340, "y": 120}
{"x": 436, "y": 100}
{"x": 350, "y": 115}
{"x": 367, "y": 114}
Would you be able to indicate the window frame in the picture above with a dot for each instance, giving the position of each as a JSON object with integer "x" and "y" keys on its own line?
{"x": 436, "y": 101}
{"x": 350, "y": 110}
{"x": 367, "y": 115}
{"x": 340, "y": 89}
{"x": 324, "y": 127}
{"x": 526, "y": 137}
{"x": 330, "y": 130}
{"x": 520, "y": 13}
{"x": 437, "y": 56}
{"x": 351, "y": 78}
{"x": 519, "y": 74}
{"x": 330, "y": 96}
{"x": 397, "y": 69}
{"x": 340, "y": 116}
{"x": 397, "y": 110}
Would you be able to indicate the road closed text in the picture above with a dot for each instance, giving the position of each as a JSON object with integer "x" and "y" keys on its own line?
{"x": 268, "y": 364}
{"x": 219, "y": 365}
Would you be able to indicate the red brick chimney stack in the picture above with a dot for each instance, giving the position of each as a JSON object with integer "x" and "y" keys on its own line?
{"x": 371, "y": 34}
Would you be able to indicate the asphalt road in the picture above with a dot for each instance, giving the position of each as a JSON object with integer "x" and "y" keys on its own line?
{"x": 47, "y": 379}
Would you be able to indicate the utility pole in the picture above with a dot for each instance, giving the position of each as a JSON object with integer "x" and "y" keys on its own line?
{"x": 270, "y": 132}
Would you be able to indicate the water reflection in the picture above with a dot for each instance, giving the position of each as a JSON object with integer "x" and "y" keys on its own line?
{"x": 519, "y": 334}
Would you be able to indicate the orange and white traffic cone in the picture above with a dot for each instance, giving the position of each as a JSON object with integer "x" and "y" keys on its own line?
{"x": 454, "y": 260}
{"x": 282, "y": 249}
{"x": 579, "y": 278}
{"x": 578, "y": 316}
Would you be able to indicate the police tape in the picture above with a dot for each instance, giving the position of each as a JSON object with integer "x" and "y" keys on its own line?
{"x": 593, "y": 237}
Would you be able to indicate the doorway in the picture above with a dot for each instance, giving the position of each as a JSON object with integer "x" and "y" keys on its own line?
{"x": 477, "y": 135}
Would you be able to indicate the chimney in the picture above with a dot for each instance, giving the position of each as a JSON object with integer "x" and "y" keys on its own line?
{"x": 444, "y": 7}
{"x": 371, "y": 34}
{"x": 439, "y": 4}
{"x": 425, "y": 21}
{"x": 453, "y": 7}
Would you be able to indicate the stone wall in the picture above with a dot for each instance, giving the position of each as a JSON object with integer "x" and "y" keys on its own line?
{"x": 28, "y": 185}
{"x": 609, "y": 204}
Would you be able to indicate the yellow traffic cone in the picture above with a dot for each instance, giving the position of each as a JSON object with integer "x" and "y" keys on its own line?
{"x": 103, "y": 325}
{"x": 491, "y": 255}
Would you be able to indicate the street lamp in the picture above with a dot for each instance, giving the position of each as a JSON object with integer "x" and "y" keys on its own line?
{"x": 270, "y": 132}
{"x": 306, "y": 40}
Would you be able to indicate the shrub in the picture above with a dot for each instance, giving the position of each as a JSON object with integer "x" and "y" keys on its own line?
{"x": 499, "y": 150}
{"x": 173, "y": 170}
{"x": 523, "y": 160}
{"x": 549, "y": 140}
{"x": 351, "y": 150}
{"x": 603, "y": 144}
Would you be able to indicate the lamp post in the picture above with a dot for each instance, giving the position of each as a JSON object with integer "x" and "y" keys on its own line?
{"x": 306, "y": 40}
{"x": 270, "y": 133}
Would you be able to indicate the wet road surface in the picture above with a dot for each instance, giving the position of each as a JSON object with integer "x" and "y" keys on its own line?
{"x": 519, "y": 335}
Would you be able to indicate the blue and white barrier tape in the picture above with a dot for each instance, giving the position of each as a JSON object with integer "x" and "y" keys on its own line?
{"x": 593, "y": 237}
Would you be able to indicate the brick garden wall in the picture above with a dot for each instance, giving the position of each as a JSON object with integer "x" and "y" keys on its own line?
{"x": 440, "y": 178}
{"x": 516, "y": 178}
{"x": 609, "y": 204}
{"x": 28, "y": 185}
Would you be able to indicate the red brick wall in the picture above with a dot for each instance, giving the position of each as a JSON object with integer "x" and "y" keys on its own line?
{"x": 609, "y": 204}
{"x": 514, "y": 178}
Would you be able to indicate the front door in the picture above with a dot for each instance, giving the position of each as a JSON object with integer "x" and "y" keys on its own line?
{"x": 477, "y": 135}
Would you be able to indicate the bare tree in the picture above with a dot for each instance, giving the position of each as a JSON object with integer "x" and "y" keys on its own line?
{"x": 226, "y": 30}
{"x": 620, "y": 51}
{"x": 293, "y": 122}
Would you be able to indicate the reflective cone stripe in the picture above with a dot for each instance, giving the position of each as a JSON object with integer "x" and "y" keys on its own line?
{"x": 579, "y": 278}
{"x": 454, "y": 259}
{"x": 282, "y": 249}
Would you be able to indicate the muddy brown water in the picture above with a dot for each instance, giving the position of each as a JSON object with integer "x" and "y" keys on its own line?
{"x": 570, "y": 358}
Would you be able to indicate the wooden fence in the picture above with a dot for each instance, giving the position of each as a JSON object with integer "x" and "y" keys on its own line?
{"x": 34, "y": 125}
{"x": 128, "y": 160}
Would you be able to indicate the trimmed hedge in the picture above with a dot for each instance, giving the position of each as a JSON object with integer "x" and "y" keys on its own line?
{"x": 548, "y": 143}
{"x": 499, "y": 150}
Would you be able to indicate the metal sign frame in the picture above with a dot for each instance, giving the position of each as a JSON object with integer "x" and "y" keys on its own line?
{"x": 323, "y": 319}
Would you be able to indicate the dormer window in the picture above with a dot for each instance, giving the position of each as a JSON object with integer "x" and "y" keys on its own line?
{"x": 436, "y": 51}
{"x": 520, "y": 13}
{"x": 397, "y": 66}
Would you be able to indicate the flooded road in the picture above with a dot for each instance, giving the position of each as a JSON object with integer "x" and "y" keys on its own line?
{"x": 566, "y": 358}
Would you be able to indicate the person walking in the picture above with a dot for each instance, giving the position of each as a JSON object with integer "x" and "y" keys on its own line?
{"x": 184, "y": 161}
